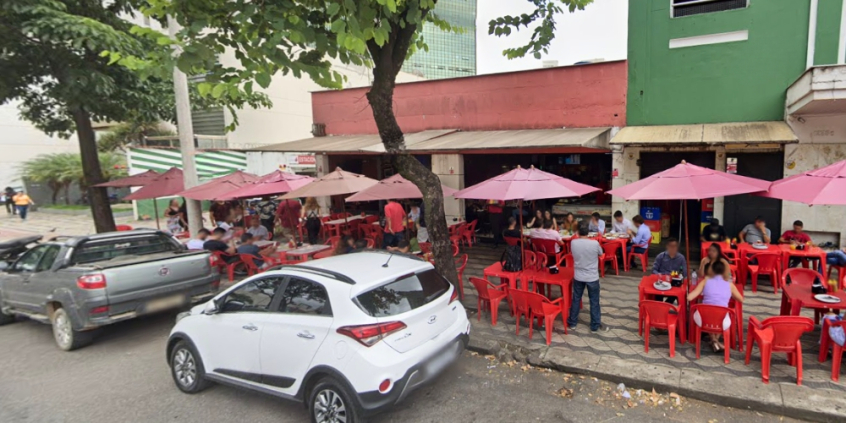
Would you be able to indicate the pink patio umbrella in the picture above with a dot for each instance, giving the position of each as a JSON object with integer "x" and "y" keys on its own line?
{"x": 685, "y": 181}
{"x": 274, "y": 183}
{"x": 164, "y": 185}
{"x": 339, "y": 182}
{"x": 219, "y": 188}
{"x": 394, "y": 188}
{"x": 131, "y": 181}
{"x": 824, "y": 186}
{"x": 525, "y": 185}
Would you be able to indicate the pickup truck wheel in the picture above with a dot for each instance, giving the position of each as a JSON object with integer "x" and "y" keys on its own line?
{"x": 331, "y": 402}
{"x": 5, "y": 319}
{"x": 187, "y": 369}
{"x": 66, "y": 338}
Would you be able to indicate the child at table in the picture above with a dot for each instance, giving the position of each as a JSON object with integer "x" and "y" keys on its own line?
{"x": 715, "y": 290}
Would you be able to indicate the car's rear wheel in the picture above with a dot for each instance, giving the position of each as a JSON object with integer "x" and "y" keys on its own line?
{"x": 331, "y": 402}
{"x": 187, "y": 368}
{"x": 66, "y": 337}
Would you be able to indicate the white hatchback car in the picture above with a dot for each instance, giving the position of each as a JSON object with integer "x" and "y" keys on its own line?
{"x": 347, "y": 335}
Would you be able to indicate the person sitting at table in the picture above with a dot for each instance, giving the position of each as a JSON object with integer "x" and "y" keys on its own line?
{"x": 570, "y": 224}
{"x": 414, "y": 213}
{"x": 796, "y": 236}
{"x": 215, "y": 243}
{"x": 548, "y": 233}
{"x": 547, "y": 216}
{"x": 248, "y": 246}
{"x": 621, "y": 225}
{"x": 715, "y": 290}
{"x": 360, "y": 245}
{"x": 670, "y": 260}
{"x": 715, "y": 254}
{"x": 345, "y": 246}
{"x": 640, "y": 242}
{"x": 513, "y": 231}
{"x": 257, "y": 230}
{"x": 836, "y": 258}
{"x": 597, "y": 224}
{"x": 197, "y": 243}
{"x": 756, "y": 232}
{"x": 713, "y": 232}
{"x": 537, "y": 220}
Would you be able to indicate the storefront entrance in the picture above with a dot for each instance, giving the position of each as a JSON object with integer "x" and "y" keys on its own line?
{"x": 742, "y": 209}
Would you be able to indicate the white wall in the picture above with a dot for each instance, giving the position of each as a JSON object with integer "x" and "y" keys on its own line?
{"x": 21, "y": 141}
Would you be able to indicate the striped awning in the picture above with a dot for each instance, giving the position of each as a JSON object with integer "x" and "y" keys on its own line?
{"x": 210, "y": 164}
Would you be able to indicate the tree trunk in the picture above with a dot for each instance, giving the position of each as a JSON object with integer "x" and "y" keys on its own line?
{"x": 98, "y": 198}
{"x": 380, "y": 97}
{"x": 67, "y": 193}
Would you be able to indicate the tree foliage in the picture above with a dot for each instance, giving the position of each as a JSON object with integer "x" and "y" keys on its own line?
{"x": 132, "y": 132}
{"x": 59, "y": 171}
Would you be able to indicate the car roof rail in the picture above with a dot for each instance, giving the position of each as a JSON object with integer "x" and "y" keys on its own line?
{"x": 322, "y": 272}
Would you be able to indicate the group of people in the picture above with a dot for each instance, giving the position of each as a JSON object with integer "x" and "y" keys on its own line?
{"x": 17, "y": 202}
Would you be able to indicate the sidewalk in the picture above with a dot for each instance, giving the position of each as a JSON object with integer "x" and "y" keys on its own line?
{"x": 47, "y": 224}
{"x": 618, "y": 355}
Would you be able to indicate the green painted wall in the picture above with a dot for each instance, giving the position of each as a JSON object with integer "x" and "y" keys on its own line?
{"x": 828, "y": 32}
{"x": 729, "y": 82}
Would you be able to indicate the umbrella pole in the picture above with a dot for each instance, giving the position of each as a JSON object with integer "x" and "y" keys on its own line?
{"x": 156, "y": 212}
{"x": 522, "y": 241}
{"x": 686, "y": 238}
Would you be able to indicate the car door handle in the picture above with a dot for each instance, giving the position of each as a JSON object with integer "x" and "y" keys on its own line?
{"x": 305, "y": 335}
{"x": 250, "y": 327}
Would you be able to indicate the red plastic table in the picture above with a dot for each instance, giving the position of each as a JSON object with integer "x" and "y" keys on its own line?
{"x": 647, "y": 290}
{"x": 305, "y": 252}
{"x": 795, "y": 297}
{"x": 813, "y": 252}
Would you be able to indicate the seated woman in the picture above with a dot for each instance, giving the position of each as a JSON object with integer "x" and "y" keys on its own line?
{"x": 536, "y": 221}
{"x": 715, "y": 290}
{"x": 715, "y": 254}
{"x": 570, "y": 224}
{"x": 547, "y": 216}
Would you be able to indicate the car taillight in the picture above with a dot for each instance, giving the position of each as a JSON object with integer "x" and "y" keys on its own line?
{"x": 454, "y": 295}
{"x": 369, "y": 335}
{"x": 97, "y": 281}
{"x": 100, "y": 310}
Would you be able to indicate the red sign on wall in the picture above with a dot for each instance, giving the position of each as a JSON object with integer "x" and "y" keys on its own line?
{"x": 306, "y": 160}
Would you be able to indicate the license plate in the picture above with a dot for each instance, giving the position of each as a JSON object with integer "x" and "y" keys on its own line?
{"x": 440, "y": 362}
{"x": 165, "y": 303}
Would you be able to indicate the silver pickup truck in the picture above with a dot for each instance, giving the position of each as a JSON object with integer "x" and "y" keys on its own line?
{"x": 78, "y": 284}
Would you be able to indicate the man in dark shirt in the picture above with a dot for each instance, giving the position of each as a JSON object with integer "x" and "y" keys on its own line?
{"x": 248, "y": 247}
{"x": 713, "y": 232}
{"x": 218, "y": 213}
{"x": 267, "y": 212}
{"x": 215, "y": 243}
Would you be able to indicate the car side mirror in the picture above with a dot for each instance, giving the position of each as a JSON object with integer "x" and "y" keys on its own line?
{"x": 210, "y": 308}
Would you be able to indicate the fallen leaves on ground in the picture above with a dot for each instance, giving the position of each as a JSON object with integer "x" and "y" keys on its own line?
{"x": 565, "y": 393}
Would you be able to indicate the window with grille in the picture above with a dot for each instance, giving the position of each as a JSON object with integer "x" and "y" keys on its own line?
{"x": 697, "y": 7}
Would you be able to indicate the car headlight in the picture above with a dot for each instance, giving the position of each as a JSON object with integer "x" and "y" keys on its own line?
{"x": 182, "y": 315}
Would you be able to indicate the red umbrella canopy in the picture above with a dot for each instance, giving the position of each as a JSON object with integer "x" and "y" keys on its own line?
{"x": 394, "y": 188}
{"x": 131, "y": 181}
{"x": 525, "y": 184}
{"x": 339, "y": 182}
{"x": 274, "y": 183}
{"x": 824, "y": 186}
{"x": 689, "y": 182}
{"x": 218, "y": 188}
{"x": 165, "y": 185}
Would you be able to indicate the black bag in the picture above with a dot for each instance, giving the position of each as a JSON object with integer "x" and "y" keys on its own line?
{"x": 512, "y": 259}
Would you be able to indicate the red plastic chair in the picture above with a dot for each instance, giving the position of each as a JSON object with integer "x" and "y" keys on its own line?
{"x": 803, "y": 277}
{"x": 703, "y": 248}
{"x": 657, "y": 314}
{"x": 510, "y": 240}
{"x": 228, "y": 267}
{"x": 644, "y": 256}
{"x": 712, "y": 322}
{"x": 370, "y": 219}
{"x": 778, "y": 334}
{"x": 371, "y": 243}
{"x": 460, "y": 265}
{"x": 333, "y": 241}
{"x": 250, "y": 264}
{"x": 469, "y": 233}
{"x": 537, "y": 307}
{"x": 122, "y": 228}
{"x": 324, "y": 254}
{"x": 836, "y": 350}
{"x": 841, "y": 275}
{"x": 547, "y": 247}
{"x": 530, "y": 266}
{"x": 768, "y": 264}
{"x": 563, "y": 279}
{"x": 455, "y": 250}
{"x": 489, "y": 296}
{"x": 535, "y": 270}
{"x": 610, "y": 254}
{"x": 425, "y": 247}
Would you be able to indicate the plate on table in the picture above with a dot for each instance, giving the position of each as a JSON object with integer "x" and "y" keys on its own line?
{"x": 592, "y": 234}
{"x": 626, "y": 236}
{"x": 662, "y": 286}
{"x": 759, "y": 246}
{"x": 830, "y": 299}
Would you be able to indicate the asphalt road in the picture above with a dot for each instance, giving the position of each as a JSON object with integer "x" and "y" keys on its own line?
{"x": 123, "y": 377}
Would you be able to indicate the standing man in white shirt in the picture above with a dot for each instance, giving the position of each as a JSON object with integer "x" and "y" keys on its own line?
{"x": 586, "y": 253}
{"x": 621, "y": 225}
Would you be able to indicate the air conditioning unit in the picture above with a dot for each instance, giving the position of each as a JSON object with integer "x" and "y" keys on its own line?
{"x": 318, "y": 129}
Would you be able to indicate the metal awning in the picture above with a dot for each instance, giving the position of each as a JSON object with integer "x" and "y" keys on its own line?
{"x": 549, "y": 140}
{"x": 776, "y": 132}
{"x": 363, "y": 143}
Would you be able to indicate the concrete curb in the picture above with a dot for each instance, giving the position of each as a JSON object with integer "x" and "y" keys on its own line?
{"x": 62, "y": 212}
{"x": 747, "y": 393}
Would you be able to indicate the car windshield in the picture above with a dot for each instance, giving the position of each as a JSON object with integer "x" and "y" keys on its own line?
{"x": 108, "y": 249}
{"x": 405, "y": 294}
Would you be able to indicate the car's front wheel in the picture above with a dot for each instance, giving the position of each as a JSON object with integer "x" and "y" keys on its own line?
{"x": 66, "y": 337}
{"x": 187, "y": 368}
{"x": 331, "y": 402}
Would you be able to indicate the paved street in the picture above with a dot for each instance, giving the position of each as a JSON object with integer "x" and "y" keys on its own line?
{"x": 123, "y": 377}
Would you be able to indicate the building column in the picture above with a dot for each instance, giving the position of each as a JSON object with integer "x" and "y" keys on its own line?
{"x": 720, "y": 165}
{"x": 321, "y": 163}
{"x": 625, "y": 167}
{"x": 450, "y": 169}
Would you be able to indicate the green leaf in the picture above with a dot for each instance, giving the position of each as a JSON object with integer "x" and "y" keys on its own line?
{"x": 204, "y": 88}
{"x": 218, "y": 90}
{"x": 263, "y": 79}
{"x": 333, "y": 8}
{"x": 392, "y": 5}
{"x": 338, "y": 26}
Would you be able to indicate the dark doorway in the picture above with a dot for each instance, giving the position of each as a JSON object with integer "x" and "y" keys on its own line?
{"x": 742, "y": 209}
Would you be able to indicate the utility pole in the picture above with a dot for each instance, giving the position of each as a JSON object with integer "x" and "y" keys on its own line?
{"x": 186, "y": 136}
